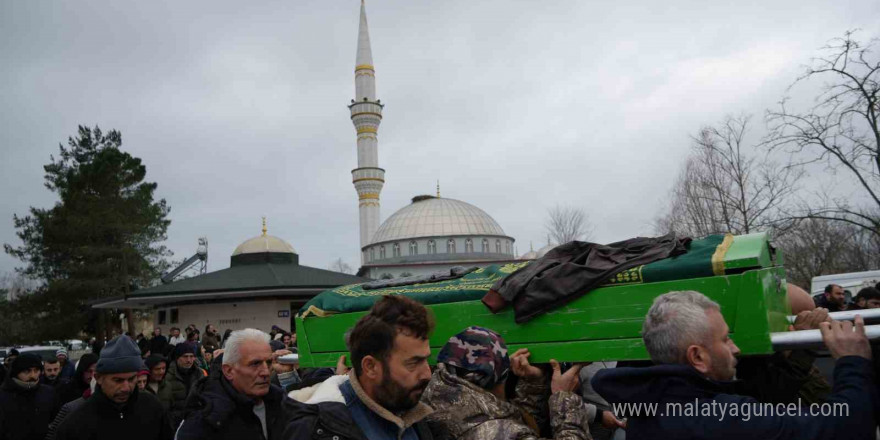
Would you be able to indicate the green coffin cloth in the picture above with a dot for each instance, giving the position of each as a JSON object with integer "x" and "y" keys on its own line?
{"x": 703, "y": 259}
{"x": 353, "y": 298}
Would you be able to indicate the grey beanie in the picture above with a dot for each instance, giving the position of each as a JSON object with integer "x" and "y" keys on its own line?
{"x": 121, "y": 355}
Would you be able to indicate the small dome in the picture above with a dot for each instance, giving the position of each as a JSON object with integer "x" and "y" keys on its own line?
{"x": 543, "y": 251}
{"x": 430, "y": 216}
{"x": 262, "y": 244}
{"x": 530, "y": 255}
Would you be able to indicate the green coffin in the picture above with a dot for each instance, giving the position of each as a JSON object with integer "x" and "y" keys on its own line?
{"x": 743, "y": 273}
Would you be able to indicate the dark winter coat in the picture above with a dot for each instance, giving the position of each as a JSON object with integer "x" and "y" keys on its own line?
{"x": 216, "y": 411}
{"x": 181, "y": 385}
{"x": 337, "y": 410}
{"x": 75, "y": 387}
{"x": 165, "y": 396}
{"x": 158, "y": 345}
{"x": 99, "y": 418}
{"x": 683, "y": 385}
{"x": 25, "y": 414}
{"x": 67, "y": 371}
{"x": 571, "y": 270}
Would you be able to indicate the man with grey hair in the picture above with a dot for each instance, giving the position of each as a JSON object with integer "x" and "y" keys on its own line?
{"x": 691, "y": 387}
{"x": 240, "y": 403}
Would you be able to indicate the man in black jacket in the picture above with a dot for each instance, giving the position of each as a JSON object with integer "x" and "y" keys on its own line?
{"x": 26, "y": 406}
{"x": 81, "y": 381}
{"x": 239, "y": 403}
{"x": 691, "y": 390}
{"x": 117, "y": 409}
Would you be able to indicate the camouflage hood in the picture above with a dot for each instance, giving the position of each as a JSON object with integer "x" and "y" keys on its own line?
{"x": 465, "y": 411}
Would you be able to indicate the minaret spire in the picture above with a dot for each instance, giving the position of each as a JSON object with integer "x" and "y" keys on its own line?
{"x": 366, "y": 114}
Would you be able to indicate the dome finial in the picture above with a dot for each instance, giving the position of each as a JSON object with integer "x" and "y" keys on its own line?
{"x": 264, "y": 226}
{"x": 438, "y": 188}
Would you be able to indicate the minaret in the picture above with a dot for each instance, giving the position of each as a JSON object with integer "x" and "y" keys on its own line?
{"x": 366, "y": 114}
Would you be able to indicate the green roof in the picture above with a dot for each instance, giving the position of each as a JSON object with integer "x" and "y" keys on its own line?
{"x": 253, "y": 277}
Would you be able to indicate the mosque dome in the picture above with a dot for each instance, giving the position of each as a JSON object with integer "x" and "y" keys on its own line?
{"x": 430, "y": 216}
{"x": 435, "y": 229}
{"x": 530, "y": 255}
{"x": 543, "y": 251}
{"x": 264, "y": 243}
{"x": 264, "y": 249}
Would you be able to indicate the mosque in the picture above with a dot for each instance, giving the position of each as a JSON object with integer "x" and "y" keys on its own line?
{"x": 432, "y": 233}
{"x": 265, "y": 284}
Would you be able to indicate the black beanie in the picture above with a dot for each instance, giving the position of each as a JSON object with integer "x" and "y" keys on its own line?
{"x": 184, "y": 348}
{"x": 121, "y": 355}
{"x": 25, "y": 362}
{"x": 153, "y": 360}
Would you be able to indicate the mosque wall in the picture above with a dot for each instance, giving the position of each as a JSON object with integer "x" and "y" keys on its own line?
{"x": 259, "y": 314}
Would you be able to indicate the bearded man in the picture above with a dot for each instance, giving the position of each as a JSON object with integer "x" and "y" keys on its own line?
{"x": 379, "y": 398}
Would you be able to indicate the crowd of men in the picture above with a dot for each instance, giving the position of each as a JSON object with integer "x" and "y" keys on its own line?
{"x": 239, "y": 386}
{"x": 834, "y": 298}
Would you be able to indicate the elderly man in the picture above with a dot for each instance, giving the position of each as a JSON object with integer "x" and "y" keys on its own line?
{"x": 240, "y": 403}
{"x": 117, "y": 409}
{"x": 26, "y": 406}
{"x": 379, "y": 398}
{"x": 690, "y": 390}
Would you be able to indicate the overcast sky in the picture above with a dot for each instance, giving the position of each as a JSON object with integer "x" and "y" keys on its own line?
{"x": 238, "y": 109}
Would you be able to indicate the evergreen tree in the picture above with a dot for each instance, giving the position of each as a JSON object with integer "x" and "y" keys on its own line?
{"x": 101, "y": 239}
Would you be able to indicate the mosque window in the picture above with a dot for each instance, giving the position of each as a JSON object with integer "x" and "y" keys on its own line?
{"x": 450, "y": 246}
{"x": 507, "y": 246}
{"x": 395, "y": 250}
{"x": 497, "y": 246}
{"x": 413, "y": 248}
{"x": 469, "y": 246}
{"x": 432, "y": 247}
{"x": 372, "y": 254}
{"x": 485, "y": 249}
{"x": 382, "y": 252}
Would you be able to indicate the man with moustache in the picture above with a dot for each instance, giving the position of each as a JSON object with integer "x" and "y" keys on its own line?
{"x": 26, "y": 406}
{"x": 239, "y": 403}
{"x": 117, "y": 409}
{"x": 379, "y": 398}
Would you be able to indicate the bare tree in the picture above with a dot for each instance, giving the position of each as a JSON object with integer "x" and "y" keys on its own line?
{"x": 340, "y": 266}
{"x": 840, "y": 130}
{"x": 724, "y": 187}
{"x": 566, "y": 223}
{"x": 817, "y": 247}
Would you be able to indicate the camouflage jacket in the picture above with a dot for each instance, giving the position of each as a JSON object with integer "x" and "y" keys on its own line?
{"x": 463, "y": 411}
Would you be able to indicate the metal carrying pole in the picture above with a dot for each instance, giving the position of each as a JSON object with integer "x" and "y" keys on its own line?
{"x": 869, "y": 315}
{"x": 810, "y": 339}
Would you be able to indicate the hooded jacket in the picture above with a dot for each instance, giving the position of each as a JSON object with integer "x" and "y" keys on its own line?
{"x": 216, "y": 411}
{"x": 164, "y": 394}
{"x": 74, "y": 389}
{"x": 98, "y": 418}
{"x": 717, "y": 413}
{"x": 338, "y": 409}
{"x": 25, "y": 414}
{"x": 464, "y": 411}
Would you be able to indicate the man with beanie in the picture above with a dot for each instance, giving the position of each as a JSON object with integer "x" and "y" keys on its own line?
{"x": 157, "y": 383}
{"x": 467, "y": 392}
{"x": 182, "y": 374}
{"x": 117, "y": 409}
{"x": 82, "y": 378}
{"x": 67, "y": 370}
{"x": 26, "y": 406}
